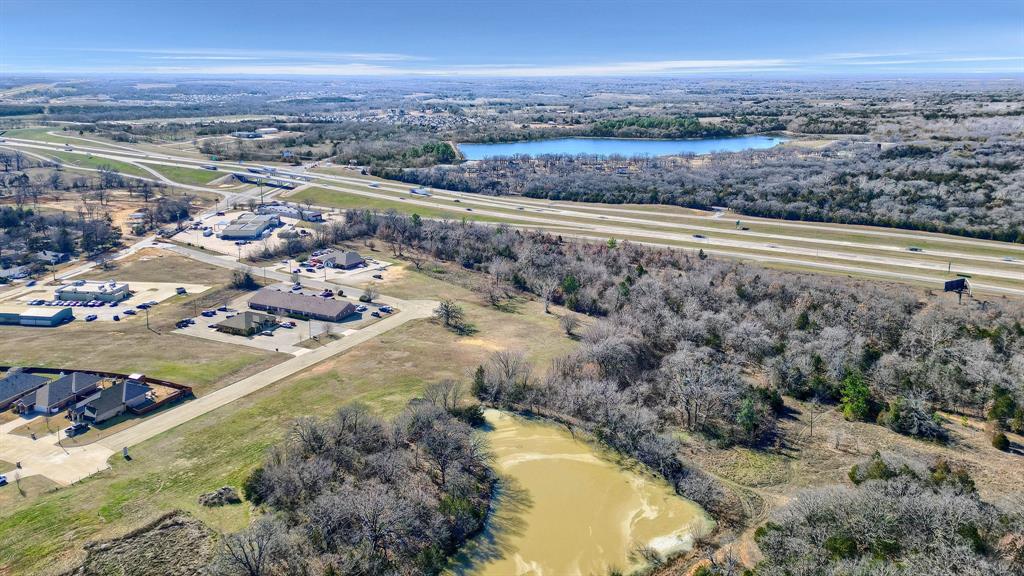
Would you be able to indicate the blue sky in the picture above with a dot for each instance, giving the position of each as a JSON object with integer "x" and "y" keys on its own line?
{"x": 524, "y": 38}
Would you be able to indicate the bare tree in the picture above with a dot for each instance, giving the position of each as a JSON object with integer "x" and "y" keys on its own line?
{"x": 569, "y": 323}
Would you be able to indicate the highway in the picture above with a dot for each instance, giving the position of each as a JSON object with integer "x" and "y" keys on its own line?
{"x": 826, "y": 247}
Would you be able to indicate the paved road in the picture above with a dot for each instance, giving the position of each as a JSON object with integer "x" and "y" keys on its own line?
{"x": 47, "y": 457}
{"x": 885, "y": 261}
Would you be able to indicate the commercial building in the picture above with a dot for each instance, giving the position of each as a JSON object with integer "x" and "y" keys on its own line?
{"x": 247, "y": 135}
{"x": 338, "y": 259}
{"x": 35, "y": 315}
{"x": 250, "y": 226}
{"x": 247, "y": 323}
{"x": 300, "y": 305}
{"x": 16, "y": 384}
{"x": 86, "y": 290}
{"x": 291, "y": 212}
{"x": 57, "y": 394}
{"x": 110, "y": 402}
{"x": 266, "y": 130}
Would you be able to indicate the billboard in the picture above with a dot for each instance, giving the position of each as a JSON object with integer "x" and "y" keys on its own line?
{"x": 955, "y": 285}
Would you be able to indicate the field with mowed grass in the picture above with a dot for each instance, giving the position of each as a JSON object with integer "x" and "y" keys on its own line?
{"x": 43, "y": 531}
{"x": 193, "y": 176}
{"x": 348, "y": 201}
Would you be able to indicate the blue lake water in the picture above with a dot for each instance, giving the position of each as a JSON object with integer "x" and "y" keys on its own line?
{"x": 618, "y": 146}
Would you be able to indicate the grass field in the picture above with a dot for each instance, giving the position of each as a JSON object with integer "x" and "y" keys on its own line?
{"x": 82, "y": 161}
{"x": 345, "y": 201}
{"x": 196, "y": 177}
{"x": 43, "y": 531}
{"x": 128, "y": 346}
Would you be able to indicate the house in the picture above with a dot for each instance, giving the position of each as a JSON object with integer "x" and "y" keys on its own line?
{"x": 86, "y": 290}
{"x": 57, "y": 394}
{"x": 49, "y": 257}
{"x": 35, "y": 315}
{"x": 249, "y": 226}
{"x": 247, "y": 323}
{"x": 338, "y": 259}
{"x": 110, "y": 402}
{"x": 16, "y": 384}
{"x": 300, "y": 305}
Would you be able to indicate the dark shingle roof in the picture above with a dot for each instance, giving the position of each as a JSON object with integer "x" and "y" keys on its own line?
{"x": 301, "y": 303}
{"x": 118, "y": 394}
{"x": 64, "y": 387}
{"x": 19, "y": 383}
{"x": 246, "y": 320}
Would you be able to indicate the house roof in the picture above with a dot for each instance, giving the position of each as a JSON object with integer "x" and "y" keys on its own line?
{"x": 301, "y": 303}
{"x": 246, "y": 320}
{"x": 64, "y": 387}
{"x": 121, "y": 393}
{"x": 349, "y": 258}
{"x": 19, "y": 383}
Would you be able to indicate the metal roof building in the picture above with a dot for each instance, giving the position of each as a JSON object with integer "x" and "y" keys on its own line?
{"x": 85, "y": 290}
{"x": 35, "y": 315}
{"x": 249, "y": 226}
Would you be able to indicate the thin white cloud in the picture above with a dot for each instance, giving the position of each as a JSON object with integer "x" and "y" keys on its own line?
{"x": 236, "y": 62}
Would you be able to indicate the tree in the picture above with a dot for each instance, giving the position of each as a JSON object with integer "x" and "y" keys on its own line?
{"x": 856, "y": 398}
{"x": 569, "y": 323}
{"x": 449, "y": 313}
{"x": 370, "y": 293}
{"x": 251, "y": 552}
{"x": 1000, "y": 441}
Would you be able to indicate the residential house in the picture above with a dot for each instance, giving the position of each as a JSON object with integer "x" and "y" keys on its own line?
{"x": 58, "y": 394}
{"x": 16, "y": 384}
{"x": 110, "y": 402}
{"x": 50, "y": 257}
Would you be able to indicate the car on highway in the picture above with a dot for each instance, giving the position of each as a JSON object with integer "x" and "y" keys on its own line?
{"x": 699, "y": 236}
{"x": 91, "y": 317}
{"x": 915, "y": 249}
{"x": 1008, "y": 259}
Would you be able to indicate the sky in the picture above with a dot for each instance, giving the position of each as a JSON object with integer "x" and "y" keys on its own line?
{"x": 525, "y": 38}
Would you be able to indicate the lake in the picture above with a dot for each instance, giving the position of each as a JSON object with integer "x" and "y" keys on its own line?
{"x": 567, "y": 507}
{"x": 618, "y": 146}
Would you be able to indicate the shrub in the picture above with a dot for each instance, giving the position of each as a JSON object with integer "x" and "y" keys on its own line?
{"x": 1000, "y": 442}
{"x": 856, "y": 398}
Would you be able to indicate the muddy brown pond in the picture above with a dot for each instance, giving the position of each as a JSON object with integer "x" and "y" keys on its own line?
{"x": 565, "y": 507}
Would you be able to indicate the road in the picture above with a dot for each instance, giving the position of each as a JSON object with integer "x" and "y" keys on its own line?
{"x": 999, "y": 265}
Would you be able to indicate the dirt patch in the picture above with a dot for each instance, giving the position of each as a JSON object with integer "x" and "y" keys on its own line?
{"x": 175, "y": 544}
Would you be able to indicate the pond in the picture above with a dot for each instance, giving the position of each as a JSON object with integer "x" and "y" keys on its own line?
{"x": 565, "y": 507}
{"x": 618, "y": 146}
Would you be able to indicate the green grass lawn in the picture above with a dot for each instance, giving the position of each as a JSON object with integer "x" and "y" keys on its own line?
{"x": 86, "y": 161}
{"x": 347, "y": 201}
{"x": 193, "y": 176}
{"x": 44, "y": 530}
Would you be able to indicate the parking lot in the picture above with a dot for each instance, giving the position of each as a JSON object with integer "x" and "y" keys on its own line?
{"x": 327, "y": 274}
{"x": 281, "y": 339}
{"x": 216, "y": 223}
{"x": 143, "y": 293}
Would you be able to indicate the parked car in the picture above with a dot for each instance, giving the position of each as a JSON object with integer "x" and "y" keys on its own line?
{"x": 117, "y": 318}
{"x": 375, "y": 314}
{"x": 386, "y": 309}
{"x": 113, "y": 304}
{"x": 37, "y": 302}
{"x": 31, "y": 283}
{"x": 214, "y": 326}
{"x": 327, "y": 292}
{"x": 142, "y": 306}
{"x": 3, "y": 480}
{"x": 220, "y": 213}
{"x": 222, "y": 309}
{"x": 378, "y": 276}
{"x": 76, "y": 429}
{"x": 129, "y": 312}
{"x": 267, "y": 333}
{"x": 361, "y": 308}
{"x": 208, "y": 313}
{"x": 91, "y": 317}
{"x": 310, "y": 270}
